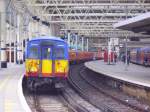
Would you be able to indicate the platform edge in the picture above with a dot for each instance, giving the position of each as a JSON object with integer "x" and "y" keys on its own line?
{"x": 21, "y": 96}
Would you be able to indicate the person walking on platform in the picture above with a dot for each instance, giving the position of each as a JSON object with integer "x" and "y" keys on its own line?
{"x": 128, "y": 59}
{"x": 115, "y": 57}
{"x": 124, "y": 58}
{"x": 145, "y": 60}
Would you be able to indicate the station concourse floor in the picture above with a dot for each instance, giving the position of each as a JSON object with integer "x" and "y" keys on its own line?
{"x": 10, "y": 90}
{"x": 135, "y": 74}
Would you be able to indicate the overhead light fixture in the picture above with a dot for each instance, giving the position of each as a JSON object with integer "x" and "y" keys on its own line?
{"x": 36, "y": 18}
{"x": 46, "y": 23}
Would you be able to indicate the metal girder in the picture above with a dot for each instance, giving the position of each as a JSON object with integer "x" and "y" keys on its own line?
{"x": 91, "y": 14}
{"x": 107, "y": 33}
{"x": 86, "y": 4}
{"x": 88, "y": 17}
{"x": 82, "y": 21}
{"x": 92, "y": 29}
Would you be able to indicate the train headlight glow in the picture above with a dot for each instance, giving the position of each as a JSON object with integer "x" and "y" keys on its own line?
{"x": 33, "y": 69}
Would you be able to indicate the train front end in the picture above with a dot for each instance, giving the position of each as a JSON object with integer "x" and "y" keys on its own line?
{"x": 47, "y": 58}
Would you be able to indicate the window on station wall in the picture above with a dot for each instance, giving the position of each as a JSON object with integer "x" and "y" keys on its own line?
{"x": 33, "y": 53}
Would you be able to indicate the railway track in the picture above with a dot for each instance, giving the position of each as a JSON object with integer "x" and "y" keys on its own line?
{"x": 117, "y": 94}
{"x": 101, "y": 99}
{"x": 58, "y": 100}
{"x": 52, "y": 102}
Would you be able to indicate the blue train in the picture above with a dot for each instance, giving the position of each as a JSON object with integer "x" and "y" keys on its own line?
{"x": 46, "y": 58}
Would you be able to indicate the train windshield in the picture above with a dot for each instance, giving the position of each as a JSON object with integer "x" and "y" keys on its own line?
{"x": 46, "y": 52}
{"x": 59, "y": 53}
{"x": 33, "y": 52}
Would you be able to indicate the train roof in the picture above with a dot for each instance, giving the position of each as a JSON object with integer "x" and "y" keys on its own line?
{"x": 136, "y": 49}
{"x": 146, "y": 49}
{"x": 141, "y": 49}
{"x": 48, "y": 38}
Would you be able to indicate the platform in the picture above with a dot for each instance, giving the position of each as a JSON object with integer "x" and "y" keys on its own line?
{"x": 135, "y": 74}
{"x": 11, "y": 96}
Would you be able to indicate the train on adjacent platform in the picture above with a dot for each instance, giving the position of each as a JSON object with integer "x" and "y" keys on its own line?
{"x": 48, "y": 58}
{"x": 140, "y": 56}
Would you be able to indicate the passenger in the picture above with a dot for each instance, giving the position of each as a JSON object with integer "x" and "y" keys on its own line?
{"x": 115, "y": 56}
{"x": 128, "y": 59}
{"x": 94, "y": 58}
{"x": 124, "y": 58}
{"x": 145, "y": 60}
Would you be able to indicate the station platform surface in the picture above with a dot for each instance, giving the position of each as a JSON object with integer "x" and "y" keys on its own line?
{"x": 11, "y": 95}
{"x": 135, "y": 74}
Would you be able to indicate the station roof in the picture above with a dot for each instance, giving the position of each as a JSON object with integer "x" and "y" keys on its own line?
{"x": 137, "y": 24}
{"x": 88, "y": 18}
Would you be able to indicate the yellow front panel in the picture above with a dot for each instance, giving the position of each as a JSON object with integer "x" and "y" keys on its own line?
{"x": 61, "y": 66}
{"x": 32, "y": 65}
{"x": 46, "y": 66}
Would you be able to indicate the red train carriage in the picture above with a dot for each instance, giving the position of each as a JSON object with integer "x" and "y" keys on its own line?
{"x": 81, "y": 56}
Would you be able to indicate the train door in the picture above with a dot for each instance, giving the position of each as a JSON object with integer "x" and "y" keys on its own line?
{"x": 46, "y": 61}
{"x": 60, "y": 61}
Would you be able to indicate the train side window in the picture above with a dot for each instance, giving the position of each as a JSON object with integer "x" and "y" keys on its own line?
{"x": 33, "y": 53}
{"x": 46, "y": 53}
{"x": 59, "y": 53}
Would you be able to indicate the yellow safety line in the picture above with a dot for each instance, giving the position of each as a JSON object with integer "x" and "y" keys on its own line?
{"x": 4, "y": 82}
{"x": 8, "y": 106}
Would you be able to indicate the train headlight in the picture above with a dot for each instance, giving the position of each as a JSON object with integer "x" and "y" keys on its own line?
{"x": 33, "y": 69}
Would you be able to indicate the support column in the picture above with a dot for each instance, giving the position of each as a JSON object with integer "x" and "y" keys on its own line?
{"x": 21, "y": 36}
{"x": 82, "y": 43}
{"x": 30, "y": 29}
{"x": 76, "y": 41}
{"x": 109, "y": 50}
{"x": 23, "y": 42}
{"x": 36, "y": 24}
{"x": 49, "y": 31}
{"x": 10, "y": 33}
{"x": 126, "y": 51}
{"x": 19, "y": 60}
{"x": 33, "y": 29}
{"x": 87, "y": 44}
{"x": 3, "y": 34}
{"x": 15, "y": 36}
{"x": 68, "y": 38}
{"x": 39, "y": 28}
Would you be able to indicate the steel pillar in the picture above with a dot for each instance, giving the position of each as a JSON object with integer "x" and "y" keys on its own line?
{"x": 10, "y": 34}
{"x": 39, "y": 29}
{"x": 82, "y": 43}
{"x": 87, "y": 44}
{"x": 19, "y": 50}
{"x": 109, "y": 51}
{"x": 15, "y": 37}
{"x": 30, "y": 30}
{"x": 49, "y": 31}
{"x": 126, "y": 51}
{"x": 76, "y": 41}
{"x": 3, "y": 34}
{"x": 68, "y": 38}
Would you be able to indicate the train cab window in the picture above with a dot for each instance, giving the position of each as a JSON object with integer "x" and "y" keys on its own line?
{"x": 46, "y": 53}
{"x": 59, "y": 53}
{"x": 33, "y": 53}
